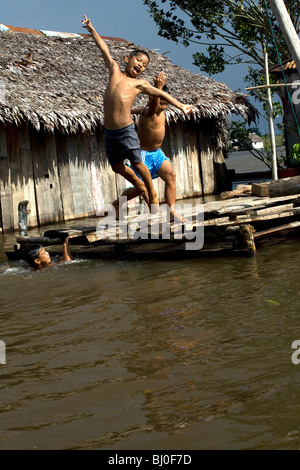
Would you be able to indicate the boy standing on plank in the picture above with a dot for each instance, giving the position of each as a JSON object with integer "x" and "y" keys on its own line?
{"x": 121, "y": 140}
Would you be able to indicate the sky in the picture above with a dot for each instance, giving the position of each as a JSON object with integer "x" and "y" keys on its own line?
{"x": 128, "y": 19}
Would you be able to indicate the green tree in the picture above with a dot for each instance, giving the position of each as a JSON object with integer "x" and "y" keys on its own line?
{"x": 232, "y": 32}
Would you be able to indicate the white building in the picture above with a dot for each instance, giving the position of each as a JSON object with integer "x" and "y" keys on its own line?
{"x": 257, "y": 142}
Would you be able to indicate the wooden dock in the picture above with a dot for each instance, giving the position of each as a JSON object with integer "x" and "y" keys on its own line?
{"x": 237, "y": 224}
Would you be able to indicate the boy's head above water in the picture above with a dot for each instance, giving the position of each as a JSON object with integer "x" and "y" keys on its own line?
{"x": 36, "y": 256}
{"x": 136, "y": 63}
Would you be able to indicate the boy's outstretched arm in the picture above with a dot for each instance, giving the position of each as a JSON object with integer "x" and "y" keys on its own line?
{"x": 151, "y": 108}
{"x": 66, "y": 252}
{"x": 137, "y": 110}
{"x": 109, "y": 61}
{"x": 148, "y": 89}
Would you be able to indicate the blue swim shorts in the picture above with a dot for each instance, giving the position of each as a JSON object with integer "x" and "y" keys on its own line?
{"x": 153, "y": 161}
{"x": 122, "y": 144}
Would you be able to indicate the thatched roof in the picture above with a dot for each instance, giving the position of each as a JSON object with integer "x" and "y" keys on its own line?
{"x": 59, "y": 83}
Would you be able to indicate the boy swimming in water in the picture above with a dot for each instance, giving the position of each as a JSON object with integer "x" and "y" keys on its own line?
{"x": 121, "y": 140}
{"x": 38, "y": 258}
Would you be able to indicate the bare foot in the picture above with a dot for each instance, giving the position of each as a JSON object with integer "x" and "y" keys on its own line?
{"x": 176, "y": 218}
{"x": 116, "y": 205}
{"x": 153, "y": 203}
{"x": 145, "y": 196}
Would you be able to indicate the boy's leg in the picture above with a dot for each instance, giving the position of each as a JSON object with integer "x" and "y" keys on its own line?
{"x": 144, "y": 172}
{"x": 168, "y": 175}
{"x": 130, "y": 176}
{"x": 129, "y": 193}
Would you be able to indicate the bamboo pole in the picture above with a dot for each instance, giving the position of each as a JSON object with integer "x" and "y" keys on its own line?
{"x": 271, "y": 121}
{"x": 271, "y": 85}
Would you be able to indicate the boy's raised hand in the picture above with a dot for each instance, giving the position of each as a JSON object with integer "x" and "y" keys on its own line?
{"x": 187, "y": 109}
{"x": 87, "y": 24}
{"x": 160, "y": 80}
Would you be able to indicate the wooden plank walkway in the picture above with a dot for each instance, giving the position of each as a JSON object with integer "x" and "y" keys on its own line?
{"x": 236, "y": 226}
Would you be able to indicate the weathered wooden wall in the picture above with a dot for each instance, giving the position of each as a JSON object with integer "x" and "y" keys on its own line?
{"x": 68, "y": 176}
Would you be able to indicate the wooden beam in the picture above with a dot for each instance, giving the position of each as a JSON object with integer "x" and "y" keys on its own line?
{"x": 271, "y": 85}
{"x": 281, "y": 187}
{"x": 281, "y": 230}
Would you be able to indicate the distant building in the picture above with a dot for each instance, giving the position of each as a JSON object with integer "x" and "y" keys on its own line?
{"x": 257, "y": 142}
{"x": 255, "y": 130}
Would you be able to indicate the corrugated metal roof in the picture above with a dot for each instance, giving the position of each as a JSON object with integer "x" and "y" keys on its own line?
{"x": 59, "y": 34}
{"x": 3, "y": 28}
{"x": 18, "y": 29}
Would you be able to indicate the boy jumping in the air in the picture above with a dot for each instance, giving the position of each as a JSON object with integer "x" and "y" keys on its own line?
{"x": 151, "y": 133}
{"x": 121, "y": 140}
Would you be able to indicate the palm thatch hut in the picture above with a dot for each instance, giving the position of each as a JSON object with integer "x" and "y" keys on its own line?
{"x": 51, "y": 115}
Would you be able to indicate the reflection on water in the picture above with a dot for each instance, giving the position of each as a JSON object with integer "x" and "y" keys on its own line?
{"x": 189, "y": 354}
{"x": 243, "y": 161}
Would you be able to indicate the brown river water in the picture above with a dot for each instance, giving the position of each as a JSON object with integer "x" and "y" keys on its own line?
{"x": 179, "y": 354}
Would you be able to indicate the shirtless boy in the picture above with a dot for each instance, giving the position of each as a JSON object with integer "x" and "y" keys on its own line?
{"x": 121, "y": 140}
{"x": 38, "y": 258}
{"x": 151, "y": 132}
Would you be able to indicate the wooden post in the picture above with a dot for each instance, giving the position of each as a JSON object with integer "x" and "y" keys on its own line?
{"x": 23, "y": 218}
{"x": 279, "y": 188}
{"x": 271, "y": 123}
{"x": 247, "y": 234}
